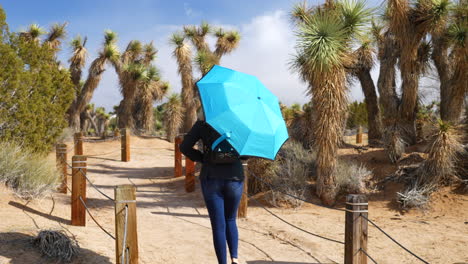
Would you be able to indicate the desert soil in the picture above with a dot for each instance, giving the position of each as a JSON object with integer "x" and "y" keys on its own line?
{"x": 173, "y": 226}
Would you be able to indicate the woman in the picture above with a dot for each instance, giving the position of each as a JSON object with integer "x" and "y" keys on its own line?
{"x": 222, "y": 186}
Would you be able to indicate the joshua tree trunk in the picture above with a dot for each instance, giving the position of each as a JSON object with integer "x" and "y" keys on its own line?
{"x": 410, "y": 81}
{"x": 372, "y": 104}
{"x": 83, "y": 99}
{"x": 388, "y": 54}
{"x": 386, "y": 82}
{"x": 91, "y": 121}
{"x": 330, "y": 102}
{"x": 452, "y": 91}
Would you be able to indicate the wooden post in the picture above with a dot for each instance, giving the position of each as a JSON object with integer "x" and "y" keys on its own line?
{"x": 189, "y": 175}
{"x": 242, "y": 212}
{"x": 78, "y": 213}
{"x": 61, "y": 161}
{"x": 356, "y": 229}
{"x": 79, "y": 143}
{"x": 125, "y": 197}
{"x": 177, "y": 157}
{"x": 125, "y": 143}
{"x": 359, "y": 135}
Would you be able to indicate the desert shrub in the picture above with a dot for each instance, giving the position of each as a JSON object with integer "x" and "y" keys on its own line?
{"x": 351, "y": 177}
{"x": 57, "y": 245}
{"x": 66, "y": 135}
{"x": 35, "y": 92}
{"x": 440, "y": 168}
{"x": 289, "y": 173}
{"x": 29, "y": 174}
{"x": 292, "y": 172}
{"x": 415, "y": 197}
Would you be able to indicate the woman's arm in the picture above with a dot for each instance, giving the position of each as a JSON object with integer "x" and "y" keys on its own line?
{"x": 190, "y": 139}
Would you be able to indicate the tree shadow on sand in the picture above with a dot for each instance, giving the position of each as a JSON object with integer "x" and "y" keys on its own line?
{"x": 19, "y": 249}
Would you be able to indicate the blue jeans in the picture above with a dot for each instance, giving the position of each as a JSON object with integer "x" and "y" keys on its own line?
{"x": 222, "y": 199}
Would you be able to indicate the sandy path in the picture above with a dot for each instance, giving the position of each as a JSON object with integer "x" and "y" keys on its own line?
{"x": 173, "y": 226}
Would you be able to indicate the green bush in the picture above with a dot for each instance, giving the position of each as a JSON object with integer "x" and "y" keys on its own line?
{"x": 35, "y": 92}
{"x": 29, "y": 174}
{"x": 357, "y": 115}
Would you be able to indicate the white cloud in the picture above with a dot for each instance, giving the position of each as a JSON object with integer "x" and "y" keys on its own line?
{"x": 190, "y": 12}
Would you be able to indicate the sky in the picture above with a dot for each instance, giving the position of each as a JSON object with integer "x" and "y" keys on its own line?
{"x": 265, "y": 50}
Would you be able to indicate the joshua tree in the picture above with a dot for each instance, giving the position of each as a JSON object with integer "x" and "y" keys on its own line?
{"x": 324, "y": 37}
{"x": 152, "y": 89}
{"x": 56, "y": 34}
{"x": 226, "y": 42}
{"x": 78, "y": 60}
{"x": 173, "y": 116}
{"x": 109, "y": 53}
{"x": 409, "y": 26}
{"x": 183, "y": 55}
{"x": 450, "y": 56}
{"x": 33, "y": 33}
{"x": 77, "y": 63}
{"x": 402, "y": 39}
{"x": 139, "y": 81}
{"x": 363, "y": 58}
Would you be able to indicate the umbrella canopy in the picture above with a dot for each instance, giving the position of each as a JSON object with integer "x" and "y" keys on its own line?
{"x": 244, "y": 111}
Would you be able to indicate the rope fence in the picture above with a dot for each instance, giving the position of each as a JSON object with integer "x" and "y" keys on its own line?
{"x": 360, "y": 214}
{"x": 95, "y": 221}
{"x": 290, "y": 224}
{"x": 393, "y": 239}
{"x": 127, "y": 251}
{"x": 125, "y": 234}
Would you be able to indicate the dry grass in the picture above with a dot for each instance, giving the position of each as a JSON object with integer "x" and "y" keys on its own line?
{"x": 28, "y": 174}
{"x": 351, "y": 178}
{"x": 57, "y": 245}
{"x": 289, "y": 173}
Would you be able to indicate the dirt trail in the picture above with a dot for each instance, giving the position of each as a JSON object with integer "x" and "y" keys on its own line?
{"x": 173, "y": 226}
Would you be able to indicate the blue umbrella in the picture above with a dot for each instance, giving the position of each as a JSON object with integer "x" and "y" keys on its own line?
{"x": 243, "y": 111}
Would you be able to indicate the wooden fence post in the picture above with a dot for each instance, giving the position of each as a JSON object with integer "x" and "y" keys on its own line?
{"x": 61, "y": 161}
{"x": 125, "y": 197}
{"x": 356, "y": 229}
{"x": 177, "y": 157}
{"x": 189, "y": 175}
{"x": 78, "y": 213}
{"x": 125, "y": 143}
{"x": 79, "y": 143}
{"x": 359, "y": 135}
{"x": 242, "y": 212}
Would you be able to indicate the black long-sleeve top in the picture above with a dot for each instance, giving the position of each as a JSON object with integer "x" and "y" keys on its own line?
{"x": 202, "y": 131}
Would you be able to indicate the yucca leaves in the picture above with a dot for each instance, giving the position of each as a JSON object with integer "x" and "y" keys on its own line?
{"x": 110, "y": 37}
{"x": 205, "y": 61}
{"x": 322, "y": 41}
{"x": 457, "y": 34}
{"x": 177, "y": 39}
{"x": 355, "y": 16}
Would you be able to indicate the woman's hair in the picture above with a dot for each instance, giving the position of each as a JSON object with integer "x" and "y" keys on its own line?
{"x": 200, "y": 114}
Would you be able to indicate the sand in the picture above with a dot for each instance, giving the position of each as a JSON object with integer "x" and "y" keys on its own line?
{"x": 173, "y": 226}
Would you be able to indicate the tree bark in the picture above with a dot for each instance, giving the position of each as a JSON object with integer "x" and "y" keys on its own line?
{"x": 372, "y": 105}
{"x": 386, "y": 82}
